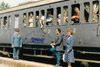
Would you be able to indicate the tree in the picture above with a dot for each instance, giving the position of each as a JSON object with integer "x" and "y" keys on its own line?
{"x": 4, "y": 5}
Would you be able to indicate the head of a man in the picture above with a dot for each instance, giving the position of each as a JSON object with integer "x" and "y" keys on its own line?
{"x": 17, "y": 31}
{"x": 59, "y": 16}
{"x": 37, "y": 17}
{"x": 31, "y": 15}
{"x": 58, "y": 31}
{"x": 77, "y": 10}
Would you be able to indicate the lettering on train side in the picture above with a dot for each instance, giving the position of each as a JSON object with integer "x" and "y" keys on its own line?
{"x": 34, "y": 40}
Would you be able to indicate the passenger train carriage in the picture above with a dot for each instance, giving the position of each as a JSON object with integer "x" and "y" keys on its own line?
{"x": 38, "y": 31}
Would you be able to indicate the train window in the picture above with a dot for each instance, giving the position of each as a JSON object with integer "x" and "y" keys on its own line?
{"x": 0, "y": 21}
{"x": 42, "y": 18}
{"x": 58, "y": 16}
{"x": 5, "y": 23}
{"x": 49, "y": 19}
{"x": 86, "y": 12}
{"x": 30, "y": 20}
{"x": 95, "y": 11}
{"x": 9, "y": 21}
{"x": 75, "y": 13}
{"x": 37, "y": 18}
{"x": 65, "y": 15}
{"x": 16, "y": 21}
{"x": 24, "y": 20}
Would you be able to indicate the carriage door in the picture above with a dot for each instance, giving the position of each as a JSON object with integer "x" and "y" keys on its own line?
{"x": 16, "y": 21}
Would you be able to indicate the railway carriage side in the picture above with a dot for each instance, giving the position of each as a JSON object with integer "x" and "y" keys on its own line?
{"x": 38, "y": 25}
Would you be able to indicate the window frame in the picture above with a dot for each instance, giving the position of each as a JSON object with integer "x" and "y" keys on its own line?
{"x": 52, "y": 15}
{"x": 0, "y": 22}
{"x": 18, "y": 20}
{"x": 25, "y": 13}
{"x": 84, "y": 14}
{"x": 98, "y": 13}
{"x": 63, "y": 14}
{"x": 9, "y": 21}
{"x": 28, "y": 18}
{"x": 72, "y": 15}
{"x": 58, "y": 14}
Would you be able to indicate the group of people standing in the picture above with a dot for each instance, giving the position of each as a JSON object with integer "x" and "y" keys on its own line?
{"x": 57, "y": 46}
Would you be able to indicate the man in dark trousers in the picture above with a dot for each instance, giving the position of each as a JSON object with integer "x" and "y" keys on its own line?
{"x": 57, "y": 47}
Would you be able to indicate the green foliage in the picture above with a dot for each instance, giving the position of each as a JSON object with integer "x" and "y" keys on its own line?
{"x": 4, "y": 5}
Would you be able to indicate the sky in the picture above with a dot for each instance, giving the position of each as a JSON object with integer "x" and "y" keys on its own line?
{"x": 13, "y": 3}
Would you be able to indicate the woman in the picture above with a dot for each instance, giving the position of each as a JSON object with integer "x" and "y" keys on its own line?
{"x": 31, "y": 20}
{"x": 69, "y": 53}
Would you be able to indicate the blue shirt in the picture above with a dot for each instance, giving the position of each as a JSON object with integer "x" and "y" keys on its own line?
{"x": 16, "y": 40}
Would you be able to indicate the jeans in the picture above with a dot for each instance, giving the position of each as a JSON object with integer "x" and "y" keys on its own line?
{"x": 16, "y": 52}
{"x": 58, "y": 55}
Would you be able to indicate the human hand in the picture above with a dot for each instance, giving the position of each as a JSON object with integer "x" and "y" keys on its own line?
{"x": 51, "y": 44}
{"x": 20, "y": 46}
{"x": 73, "y": 17}
{"x": 66, "y": 17}
{"x": 12, "y": 46}
{"x": 67, "y": 51}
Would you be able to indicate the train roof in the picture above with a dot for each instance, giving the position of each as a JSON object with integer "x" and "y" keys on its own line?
{"x": 28, "y": 5}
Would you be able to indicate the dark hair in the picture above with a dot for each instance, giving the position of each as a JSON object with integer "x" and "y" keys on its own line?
{"x": 59, "y": 30}
{"x": 48, "y": 12}
{"x": 17, "y": 30}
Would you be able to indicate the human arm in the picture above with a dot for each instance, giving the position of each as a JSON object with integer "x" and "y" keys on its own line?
{"x": 60, "y": 38}
{"x": 12, "y": 41}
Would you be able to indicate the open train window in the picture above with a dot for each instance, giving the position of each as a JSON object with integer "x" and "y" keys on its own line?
{"x": 17, "y": 21}
{"x": 37, "y": 18}
{"x": 42, "y": 18}
{"x": 75, "y": 17}
{"x": 65, "y": 15}
{"x": 5, "y": 23}
{"x": 86, "y": 12}
{"x": 0, "y": 21}
{"x": 95, "y": 12}
{"x": 24, "y": 20}
{"x": 49, "y": 19}
{"x": 30, "y": 20}
{"x": 58, "y": 15}
{"x": 9, "y": 21}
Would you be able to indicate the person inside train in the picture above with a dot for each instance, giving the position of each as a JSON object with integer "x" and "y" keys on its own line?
{"x": 59, "y": 19}
{"x": 42, "y": 20}
{"x": 5, "y": 24}
{"x": 86, "y": 12}
{"x": 95, "y": 12}
{"x": 65, "y": 15}
{"x": 49, "y": 19}
{"x": 76, "y": 16}
{"x": 24, "y": 21}
{"x": 37, "y": 21}
{"x": 31, "y": 20}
